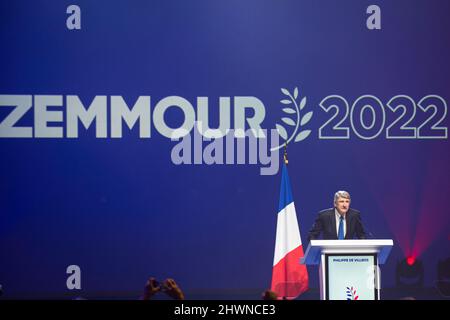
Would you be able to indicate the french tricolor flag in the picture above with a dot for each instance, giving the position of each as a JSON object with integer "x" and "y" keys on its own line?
{"x": 289, "y": 277}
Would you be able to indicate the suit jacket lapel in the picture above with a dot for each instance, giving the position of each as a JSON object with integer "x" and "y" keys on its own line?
{"x": 348, "y": 218}
{"x": 333, "y": 223}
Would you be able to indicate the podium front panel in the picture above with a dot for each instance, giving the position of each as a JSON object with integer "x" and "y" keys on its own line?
{"x": 351, "y": 277}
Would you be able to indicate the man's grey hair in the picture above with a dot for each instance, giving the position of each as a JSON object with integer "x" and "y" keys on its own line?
{"x": 341, "y": 194}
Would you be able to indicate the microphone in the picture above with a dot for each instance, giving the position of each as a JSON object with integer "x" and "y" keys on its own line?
{"x": 369, "y": 234}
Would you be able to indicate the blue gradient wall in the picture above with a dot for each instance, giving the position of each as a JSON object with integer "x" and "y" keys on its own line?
{"x": 122, "y": 211}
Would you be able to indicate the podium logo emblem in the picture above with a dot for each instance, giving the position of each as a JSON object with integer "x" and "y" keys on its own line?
{"x": 351, "y": 293}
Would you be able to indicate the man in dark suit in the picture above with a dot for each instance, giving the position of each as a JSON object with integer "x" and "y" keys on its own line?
{"x": 339, "y": 222}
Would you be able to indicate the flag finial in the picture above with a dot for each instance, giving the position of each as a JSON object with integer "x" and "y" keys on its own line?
{"x": 286, "y": 161}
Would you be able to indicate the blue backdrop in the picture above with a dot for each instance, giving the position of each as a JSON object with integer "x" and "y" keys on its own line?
{"x": 122, "y": 211}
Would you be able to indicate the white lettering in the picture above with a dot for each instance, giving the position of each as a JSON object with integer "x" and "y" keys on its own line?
{"x": 42, "y": 116}
{"x": 97, "y": 110}
{"x": 22, "y": 104}
{"x": 74, "y": 20}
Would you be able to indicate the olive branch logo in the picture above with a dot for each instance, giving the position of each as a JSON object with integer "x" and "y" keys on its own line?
{"x": 351, "y": 293}
{"x": 292, "y": 107}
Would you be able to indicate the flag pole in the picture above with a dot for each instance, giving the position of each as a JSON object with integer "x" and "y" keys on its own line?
{"x": 286, "y": 161}
{"x": 285, "y": 154}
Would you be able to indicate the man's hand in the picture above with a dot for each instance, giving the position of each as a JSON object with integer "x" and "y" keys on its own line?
{"x": 151, "y": 287}
{"x": 269, "y": 295}
{"x": 171, "y": 288}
